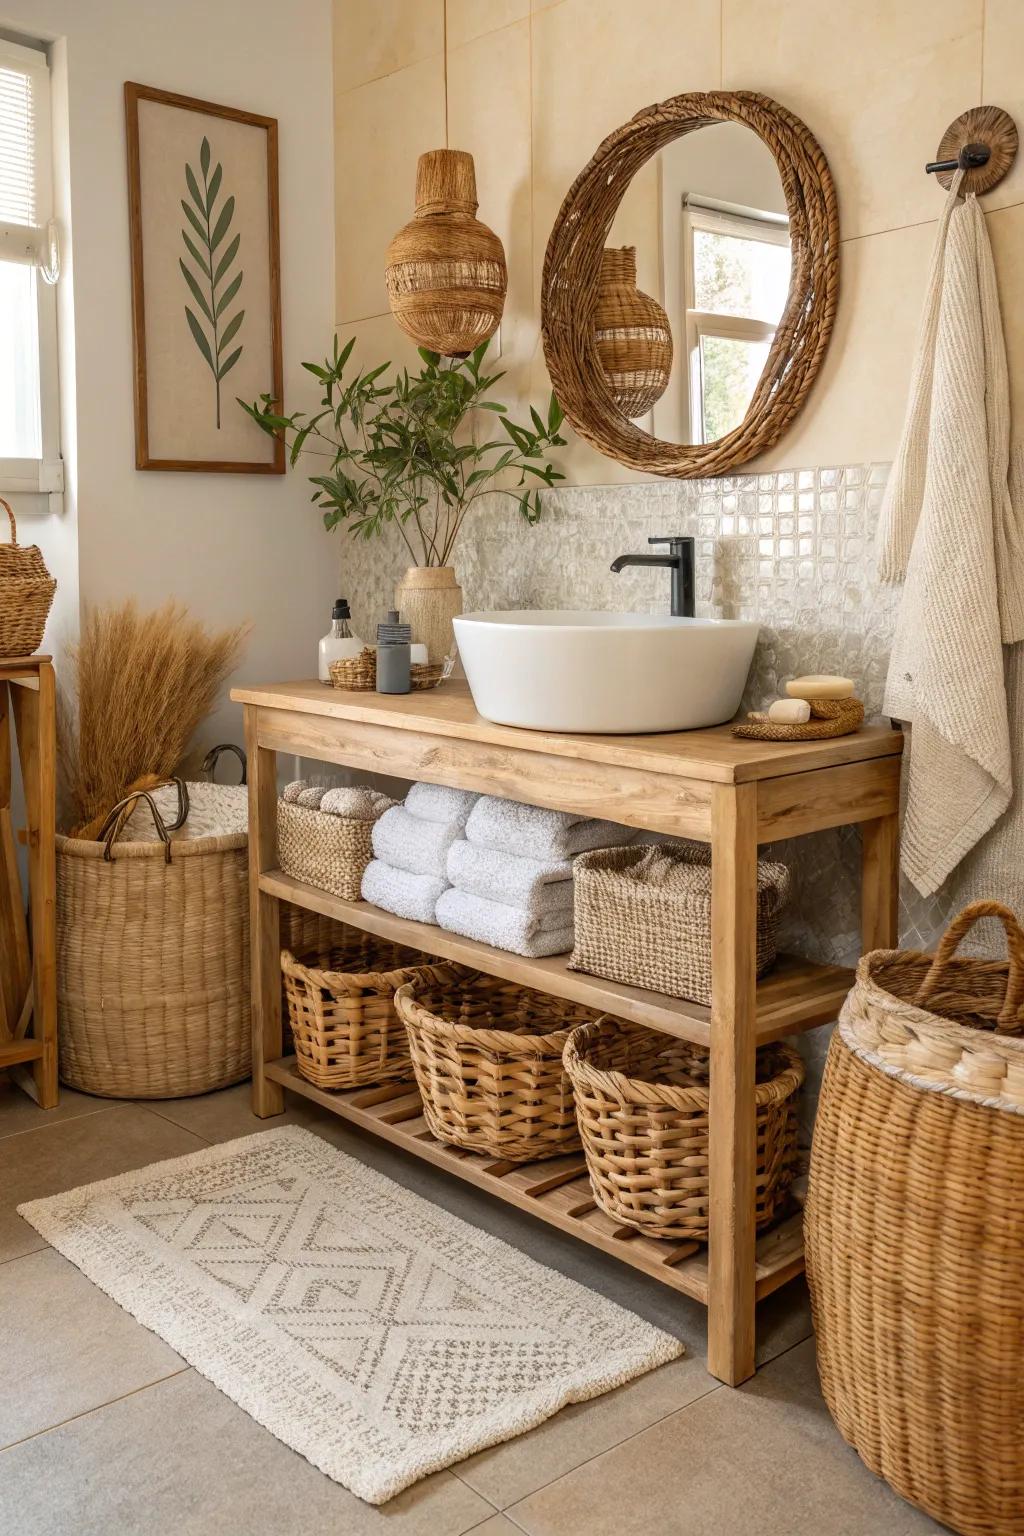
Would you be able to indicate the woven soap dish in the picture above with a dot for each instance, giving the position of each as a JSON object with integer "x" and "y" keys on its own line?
{"x": 829, "y": 717}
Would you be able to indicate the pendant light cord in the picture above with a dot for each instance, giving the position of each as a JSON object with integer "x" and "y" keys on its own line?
{"x": 444, "y": 44}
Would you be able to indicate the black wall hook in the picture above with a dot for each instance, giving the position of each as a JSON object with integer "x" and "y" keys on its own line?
{"x": 969, "y": 158}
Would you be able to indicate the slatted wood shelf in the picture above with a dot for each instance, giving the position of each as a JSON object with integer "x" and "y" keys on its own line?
{"x": 555, "y": 1190}
{"x": 794, "y": 996}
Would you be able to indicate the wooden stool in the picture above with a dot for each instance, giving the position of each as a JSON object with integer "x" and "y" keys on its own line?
{"x": 28, "y": 968}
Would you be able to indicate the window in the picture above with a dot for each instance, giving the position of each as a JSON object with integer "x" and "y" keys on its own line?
{"x": 29, "y": 451}
{"x": 736, "y": 270}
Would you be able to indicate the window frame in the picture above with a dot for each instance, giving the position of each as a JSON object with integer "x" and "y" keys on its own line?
{"x": 719, "y": 218}
{"x": 45, "y": 474}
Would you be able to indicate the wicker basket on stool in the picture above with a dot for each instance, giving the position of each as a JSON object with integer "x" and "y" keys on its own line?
{"x": 914, "y": 1227}
{"x": 642, "y": 1099}
{"x": 342, "y": 1011}
{"x": 26, "y": 592}
{"x": 488, "y": 1062}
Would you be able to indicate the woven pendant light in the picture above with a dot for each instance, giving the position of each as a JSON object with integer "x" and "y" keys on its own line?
{"x": 446, "y": 275}
{"x": 634, "y": 342}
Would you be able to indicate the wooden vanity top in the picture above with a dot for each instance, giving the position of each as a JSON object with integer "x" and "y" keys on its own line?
{"x": 714, "y": 756}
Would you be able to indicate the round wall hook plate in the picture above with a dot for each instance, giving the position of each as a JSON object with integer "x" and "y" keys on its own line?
{"x": 980, "y": 125}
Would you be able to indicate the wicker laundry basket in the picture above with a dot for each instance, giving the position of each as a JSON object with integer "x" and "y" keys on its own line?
{"x": 341, "y": 1007}
{"x": 488, "y": 1061}
{"x": 642, "y": 1100}
{"x": 914, "y": 1227}
{"x": 26, "y": 592}
{"x": 643, "y": 916}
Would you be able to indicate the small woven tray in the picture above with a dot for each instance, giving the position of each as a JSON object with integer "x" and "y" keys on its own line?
{"x": 359, "y": 673}
{"x": 829, "y": 717}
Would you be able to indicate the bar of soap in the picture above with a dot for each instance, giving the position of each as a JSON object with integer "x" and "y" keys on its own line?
{"x": 789, "y": 712}
{"x": 820, "y": 686}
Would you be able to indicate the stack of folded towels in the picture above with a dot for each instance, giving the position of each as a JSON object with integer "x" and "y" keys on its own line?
{"x": 511, "y": 875}
{"x": 411, "y": 843}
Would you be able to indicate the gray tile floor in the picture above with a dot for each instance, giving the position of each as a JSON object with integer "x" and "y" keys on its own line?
{"x": 104, "y": 1429}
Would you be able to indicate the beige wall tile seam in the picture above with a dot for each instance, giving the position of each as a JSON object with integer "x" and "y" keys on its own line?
{"x": 873, "y": 234}
{"x": 428, "y": 58}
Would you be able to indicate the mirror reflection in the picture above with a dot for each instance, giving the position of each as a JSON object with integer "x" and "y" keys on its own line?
{"x": 684, "y": 328}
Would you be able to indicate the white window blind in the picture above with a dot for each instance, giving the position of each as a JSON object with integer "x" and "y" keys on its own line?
{"x": 19, "y": 141}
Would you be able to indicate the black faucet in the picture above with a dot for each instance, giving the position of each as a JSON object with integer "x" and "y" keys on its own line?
{"x": 679, "y": 561}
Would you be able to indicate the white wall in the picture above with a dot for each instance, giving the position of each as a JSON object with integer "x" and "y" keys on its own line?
{"x": 230, "y": 546}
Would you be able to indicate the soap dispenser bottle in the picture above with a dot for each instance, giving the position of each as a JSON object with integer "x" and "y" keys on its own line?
{"x": 394, "y": 655}
{"x": 339, "y": 644}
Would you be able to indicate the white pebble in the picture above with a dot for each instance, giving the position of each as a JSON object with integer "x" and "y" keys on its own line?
{"x": 789, "y": 712}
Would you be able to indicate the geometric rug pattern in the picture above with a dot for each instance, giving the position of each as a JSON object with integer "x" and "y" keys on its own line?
{"x": 373, "y": 1332}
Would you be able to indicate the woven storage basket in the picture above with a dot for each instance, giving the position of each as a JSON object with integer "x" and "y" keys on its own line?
{"x": 488, "y": 1062}
{"x": 915, "y": 1228}
{"x": 327, "y": 851}
{"x": 359, "y": 673}
{"x": 341, "y": 1007}
{"x": 26, "y": 592}
{"x": 643, "y": 916}
{"x": 642, "y": 1102}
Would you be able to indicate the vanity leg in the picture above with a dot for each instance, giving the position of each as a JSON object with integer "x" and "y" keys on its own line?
{"x": 731, "y": 1302}
{"x": 880, "y": 883}
{"x": 264, "y": 921}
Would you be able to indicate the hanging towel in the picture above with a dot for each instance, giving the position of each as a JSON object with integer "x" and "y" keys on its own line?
{"x": 948, "y": 528}
{"x": 436, "y": 802}
{"x": 535, "y": 885}
{"x": 406, "y": 842}
{"x": 493, "y": 922}
{"x": 400, "y": 892}
{"x": 533, "y": 833}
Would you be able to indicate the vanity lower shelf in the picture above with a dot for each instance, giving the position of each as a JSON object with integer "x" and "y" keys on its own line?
{"x": 795, "y": 995}
{"x": 556, "y": 1190}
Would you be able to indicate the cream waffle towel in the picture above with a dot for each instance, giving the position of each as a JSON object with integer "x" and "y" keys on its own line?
{"x": 949, "y": 530}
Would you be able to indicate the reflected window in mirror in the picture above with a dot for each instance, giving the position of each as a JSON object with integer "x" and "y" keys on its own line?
{"x": 735, "y": 279}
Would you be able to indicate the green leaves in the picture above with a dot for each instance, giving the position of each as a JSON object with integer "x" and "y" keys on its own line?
{"x": 403, "y": 450}
{"x": 209, "y": 279}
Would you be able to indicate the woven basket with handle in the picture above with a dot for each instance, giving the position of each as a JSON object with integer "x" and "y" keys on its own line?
{"x": 26, "y": 593}
{"x": 643, "y": 1100}
{"x": 915, "y": 1227}
{"x": 488, "y": 1062}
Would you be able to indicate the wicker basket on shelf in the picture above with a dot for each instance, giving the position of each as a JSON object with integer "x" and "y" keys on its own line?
{"x": 359, "y": 673}
{"x": 488, "y": 1061}
{"x": 26, "y": 592}
{"x": 914, "y": 1227}
{"x": 326, "y": 850}
{"x": 342, "y": 1011}
{"x": 642, "y": 1099}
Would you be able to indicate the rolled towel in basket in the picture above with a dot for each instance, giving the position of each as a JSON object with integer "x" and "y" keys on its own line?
{"x": 534, "y": 833}
{"x": 358, "y": 801}
{"x": 406, "y": 842}
{"x": 437, "y": 802}
{"x": 494, "y": 922}
{"x": 534, "y": 885}
{"x": 401, "y": 892}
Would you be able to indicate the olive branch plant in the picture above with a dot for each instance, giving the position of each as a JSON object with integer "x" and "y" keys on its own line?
{"x": 401, "y": 450}
{"x": 210, "y": 228}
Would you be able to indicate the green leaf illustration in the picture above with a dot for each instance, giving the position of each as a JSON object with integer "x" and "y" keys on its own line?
{"x": 211, "y": 283}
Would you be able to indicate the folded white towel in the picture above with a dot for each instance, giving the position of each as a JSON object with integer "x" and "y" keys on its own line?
{"x": 436, "y": 802}
{"x": 409, "y": 843}
{"x": 399, "y": 891}
{"x": 358, "y": 803}
{"x": 311, "y": 796}
{"x": 534, "y": 885}
{"x": 493, "y": 922}
{"x": 533, "y": 833}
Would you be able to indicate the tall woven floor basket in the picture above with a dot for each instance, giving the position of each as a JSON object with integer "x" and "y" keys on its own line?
{"x": 915, "y": 1227}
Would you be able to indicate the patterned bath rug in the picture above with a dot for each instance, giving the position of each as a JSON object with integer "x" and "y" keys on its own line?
{"x": 370, "y": 1330}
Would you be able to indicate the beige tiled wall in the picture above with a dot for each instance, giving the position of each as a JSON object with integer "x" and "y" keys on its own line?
{"x": 533, "y": 87}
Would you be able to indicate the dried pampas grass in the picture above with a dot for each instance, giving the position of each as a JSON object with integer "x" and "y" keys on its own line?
{"x": 143, "y": 683}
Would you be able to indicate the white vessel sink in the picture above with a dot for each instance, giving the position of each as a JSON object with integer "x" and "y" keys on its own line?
{"x": 604, "y": 673}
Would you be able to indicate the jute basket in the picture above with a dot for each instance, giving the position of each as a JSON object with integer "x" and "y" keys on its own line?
{"x": 327, "y": 851}
{"x": 26, "y": 592}
{"x": 359, "y": 673}
{"x": 488, "y": 1061}
{"x": 643, "y": 916}
{"x": 341, "y": 1007}
{"x": 915, "y": 1227}
{"x": 642, "y": 1100}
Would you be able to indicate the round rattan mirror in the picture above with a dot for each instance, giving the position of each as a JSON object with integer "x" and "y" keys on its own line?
{"x": 574, "y": 298}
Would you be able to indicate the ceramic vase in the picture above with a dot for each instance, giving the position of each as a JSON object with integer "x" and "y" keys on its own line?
{"x": 428, "y": 598}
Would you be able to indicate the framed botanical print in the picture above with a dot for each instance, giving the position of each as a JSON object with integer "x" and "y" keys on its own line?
{"x": 206, "y": 282}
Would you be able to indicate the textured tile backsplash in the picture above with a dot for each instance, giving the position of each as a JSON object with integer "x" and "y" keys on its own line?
{"x": 793, "y": 550}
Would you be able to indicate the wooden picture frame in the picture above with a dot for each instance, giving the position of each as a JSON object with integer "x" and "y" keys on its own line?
{"x": 190, "y": 255}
